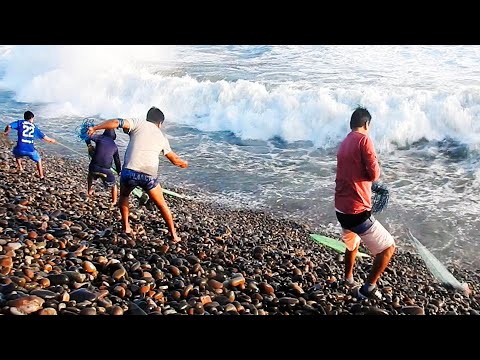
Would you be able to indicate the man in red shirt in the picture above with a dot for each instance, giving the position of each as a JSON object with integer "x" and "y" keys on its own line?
{"x": 357, "y": 168}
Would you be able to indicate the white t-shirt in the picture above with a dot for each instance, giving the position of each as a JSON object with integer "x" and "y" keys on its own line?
{"x": 147, "y": 143}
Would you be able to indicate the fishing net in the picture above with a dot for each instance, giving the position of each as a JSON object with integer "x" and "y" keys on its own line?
{"x": 83, "y": 127}
{"x": 438, "y": 270}
{"x": 380, "y": 196}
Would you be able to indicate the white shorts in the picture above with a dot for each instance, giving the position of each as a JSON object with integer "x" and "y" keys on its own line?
{"x": 376, "y": 238}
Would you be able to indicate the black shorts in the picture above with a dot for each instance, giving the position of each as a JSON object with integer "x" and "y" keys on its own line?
{"x": 349, "y": 221}
{"x": 109, "y": 181}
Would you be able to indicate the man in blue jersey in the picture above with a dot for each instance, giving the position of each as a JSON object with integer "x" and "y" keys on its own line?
{"x": 105, "y": 150}
{"x": 27, "y": 132}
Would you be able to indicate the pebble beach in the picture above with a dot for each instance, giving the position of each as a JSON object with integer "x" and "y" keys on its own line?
{"x": 62, "y": 253}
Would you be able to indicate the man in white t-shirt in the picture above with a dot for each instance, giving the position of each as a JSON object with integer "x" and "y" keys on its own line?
{"x": 140, "y": 166}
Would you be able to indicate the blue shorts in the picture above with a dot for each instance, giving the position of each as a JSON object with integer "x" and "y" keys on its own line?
{"x": 108, "y": 180}
{"x": 32, "y": 155}
{"x": 130, "y": 179}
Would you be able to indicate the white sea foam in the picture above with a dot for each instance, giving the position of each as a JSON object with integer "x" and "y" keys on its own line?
{"x": 109, "y": 81}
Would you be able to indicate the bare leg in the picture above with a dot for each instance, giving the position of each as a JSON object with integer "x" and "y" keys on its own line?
{"x": 156, "y": 195}
{"x": 89, "y": 184}
{"x": 40, "y": 169}
{"x": 380, "y": 264}
{"x": 350, "y": 261}
{"x": 19, "y": 164}
{"x": 114, "y": 194}
{"x": 125, "y": 208}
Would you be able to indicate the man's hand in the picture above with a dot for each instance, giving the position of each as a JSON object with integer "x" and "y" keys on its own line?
{"x": 49, "y": 140}
{"x": 176, "y": 160}
{"x": 91, "y": 150}
{"x": 183, "y": 164}
{"x": 90, "y": 131}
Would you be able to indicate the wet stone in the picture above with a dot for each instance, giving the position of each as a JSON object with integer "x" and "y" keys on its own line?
{"x": 230, "y": 308}
{"x": 266, "y": 288}
{"x": 289, "y": 301}
{"x": 44, "y": 294}
{"x": 89, "y": 267}
{"x": 237, "y": 281}
{"x": 134, "y": 309}
{"x": 192, "y": 259}
{"x": 88, "y": 311}
{"x": 75, "y": 276}
{"x": 26, "y": 305}
{"x": 5, "y": 261}
{"x": 118, "y": 274}
{"x": 214, "y": 284}
{"x": 58, "y": 279}
{"x": 371, "y": 310}
{"x": 48, "y": 311}
{"x": 413, "y": 310}
{"x": 82, "y": 295}
{"x": 8, "y": 288}
{"x": 12, "y": 246}
{"x": 116, "y": 310}
{"x": 105, "y": 302}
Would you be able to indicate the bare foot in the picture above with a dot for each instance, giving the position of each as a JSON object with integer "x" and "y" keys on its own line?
{"x": 176, "y": 239}
{"x": 128, "y": 235}
{"x": 91, "y": 192}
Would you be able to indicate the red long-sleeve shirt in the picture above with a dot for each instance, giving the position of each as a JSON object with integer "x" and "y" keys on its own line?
{"x": 357, "y": 168}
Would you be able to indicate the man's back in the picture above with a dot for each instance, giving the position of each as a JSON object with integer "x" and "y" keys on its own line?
{"x": 26, "y": 133}
{"x": 357, "y": 168}
{"x": 105, "y": 149}
{"x": 146, "y": 144}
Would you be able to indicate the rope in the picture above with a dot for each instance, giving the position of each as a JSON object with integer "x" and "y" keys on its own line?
{"x": 69, "y": 148}
{"x": 81, "y": 131}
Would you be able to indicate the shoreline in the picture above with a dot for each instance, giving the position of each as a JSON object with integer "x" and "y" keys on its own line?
{"x": 65, "y": 254}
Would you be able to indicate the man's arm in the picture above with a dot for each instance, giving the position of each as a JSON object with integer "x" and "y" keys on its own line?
{"x": 49, "y": 139}
{"x": 116, "y": 159}
{"x": 176, "y": 160}
{"x": 12, "y": 125}
{"x": 116, "y": 123}
{"x": 370, "y": 160}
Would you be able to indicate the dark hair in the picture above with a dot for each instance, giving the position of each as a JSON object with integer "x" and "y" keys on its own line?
{"x": 27, "y": 115}
{"x": 110, "y": 133}
{"x": 359, "y": 117}
{"x": 155, "y": 115}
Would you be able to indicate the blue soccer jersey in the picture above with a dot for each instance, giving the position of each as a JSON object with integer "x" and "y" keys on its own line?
{"x": 27, "y": 132}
